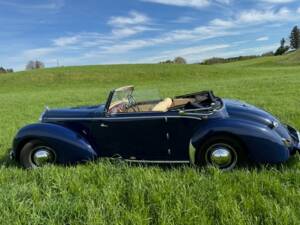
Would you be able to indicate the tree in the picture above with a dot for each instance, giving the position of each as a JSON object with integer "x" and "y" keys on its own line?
{"x": 295, "y": 38}
{"x": 32, "y": 65}
{"x": 2, "y": 70}
{"x": 179, "y": 60}
{"x": 282, "y": 49}
{"x": 282, "y": 42}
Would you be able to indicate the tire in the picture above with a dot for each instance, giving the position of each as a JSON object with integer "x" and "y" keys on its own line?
{"x": 36, "y": 154}
{"x": 222, "y": 152}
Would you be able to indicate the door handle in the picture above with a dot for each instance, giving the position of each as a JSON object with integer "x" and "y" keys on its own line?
{"x": 103, "y": 125}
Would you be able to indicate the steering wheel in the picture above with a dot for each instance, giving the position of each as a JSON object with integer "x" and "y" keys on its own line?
{"x": 132, "y": 103}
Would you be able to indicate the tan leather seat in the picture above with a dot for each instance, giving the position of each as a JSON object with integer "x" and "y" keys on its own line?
{"x": 163, "y": 106}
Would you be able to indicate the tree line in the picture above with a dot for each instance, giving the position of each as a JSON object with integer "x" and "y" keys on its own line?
{"x": 293, "y": 44}
{"x": 177, "y": 60}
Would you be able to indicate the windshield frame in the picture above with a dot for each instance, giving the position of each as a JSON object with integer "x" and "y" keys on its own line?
{"x": 127, "y": 90}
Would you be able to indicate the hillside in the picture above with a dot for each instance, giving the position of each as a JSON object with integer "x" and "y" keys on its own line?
{"x": 289, "y": 59}
{"x": 105, "y": 193}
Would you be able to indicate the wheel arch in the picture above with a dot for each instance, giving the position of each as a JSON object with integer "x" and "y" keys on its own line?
{"x": 19, "y": 146}
{"x": 262, "y": 144}
{"x": 195, "y": 144}
{"x": 70, "y": 146}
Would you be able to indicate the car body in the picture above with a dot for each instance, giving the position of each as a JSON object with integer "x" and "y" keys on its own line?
{"x": 197, "y": 128}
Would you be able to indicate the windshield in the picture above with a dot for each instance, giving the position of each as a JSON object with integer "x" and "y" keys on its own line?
{"x": 121, "y": 97}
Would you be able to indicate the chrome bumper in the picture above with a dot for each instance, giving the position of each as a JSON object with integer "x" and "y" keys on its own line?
{"x": 297, "y": 146}
{"x": 12, "y": 155}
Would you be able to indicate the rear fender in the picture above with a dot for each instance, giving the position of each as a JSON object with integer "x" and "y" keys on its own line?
{"x": 69, "y": 146}
{"x": 262, "y": 143}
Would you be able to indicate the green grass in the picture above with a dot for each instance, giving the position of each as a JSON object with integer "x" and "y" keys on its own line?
{"x": 105, "y": 193}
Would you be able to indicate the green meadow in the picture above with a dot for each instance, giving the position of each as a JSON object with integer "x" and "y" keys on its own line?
{"x": 117, "y": 193}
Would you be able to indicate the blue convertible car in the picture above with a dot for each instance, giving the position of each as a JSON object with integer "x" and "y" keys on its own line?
{"x": 197, "y": 128}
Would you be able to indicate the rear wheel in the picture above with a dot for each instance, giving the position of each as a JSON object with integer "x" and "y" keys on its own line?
{"x": 222, "y": 152}
{"x": 36, "y": 154}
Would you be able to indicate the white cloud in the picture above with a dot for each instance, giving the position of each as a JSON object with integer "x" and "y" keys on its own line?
{"x": 38, "y": 52}
{"x": 222, "y": 23}
{"x": 196, "y": 34}
{"x": 262, "y": 16}
{"x": 64, "y": 41}
{"x": 255, "y": 17}
{"x": 130, "y": 31}
{"x": 193, "y": 54}
{"x": 46, "y": 6}
{"x": 195, "y": 50}
{"x": 134, "y": 23}
{"x": 186, "y": 3}
{"x": 197, "y": 4}
{"x": 277, "y": 1}
{"x": 134, "y": 18}
{"x": 265, "y": 38}
{"x": 224, "y": 2}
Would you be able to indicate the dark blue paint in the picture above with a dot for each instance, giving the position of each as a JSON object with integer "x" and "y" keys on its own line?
{"x": 70, "y": 146}
{"x": 85, "y": 133}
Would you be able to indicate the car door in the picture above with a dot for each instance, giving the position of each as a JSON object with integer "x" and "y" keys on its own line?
{"x": 180, "y": 130}
{"x": 135, "y": 136}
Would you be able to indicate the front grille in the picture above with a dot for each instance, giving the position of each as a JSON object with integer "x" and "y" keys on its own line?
{"x": 293, "y": 133}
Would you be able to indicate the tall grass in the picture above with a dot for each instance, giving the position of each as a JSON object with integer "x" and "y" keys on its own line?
{"x": 118, "y": 193}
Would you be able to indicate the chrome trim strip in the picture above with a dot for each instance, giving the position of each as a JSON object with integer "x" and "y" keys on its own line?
{"x": 298, "y": 134}
{"x": 155, "y": 161}
{"x": 192, "y": 153}
{"x": 124, "y": 118}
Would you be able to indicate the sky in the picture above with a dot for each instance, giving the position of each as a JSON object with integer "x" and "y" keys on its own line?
{"x": 76, "y": 32}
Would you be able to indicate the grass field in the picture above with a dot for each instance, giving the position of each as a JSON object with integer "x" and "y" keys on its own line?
{"x": 105, "y": 193}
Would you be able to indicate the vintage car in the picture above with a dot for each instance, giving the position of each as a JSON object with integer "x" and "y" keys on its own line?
{"x": 197, "y": 128}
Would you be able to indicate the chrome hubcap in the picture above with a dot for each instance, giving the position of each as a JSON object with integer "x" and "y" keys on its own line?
{"x": 43, "y": 156}
{"x": 221, "y": 156}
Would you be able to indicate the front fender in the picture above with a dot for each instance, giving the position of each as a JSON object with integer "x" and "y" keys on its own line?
{"x": 262, "y": 143}
{"x": 69, "y": 146}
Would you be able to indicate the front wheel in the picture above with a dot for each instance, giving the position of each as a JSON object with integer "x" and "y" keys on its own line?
{"x": 222, "y": 152}
{"x": 36, "y": 154}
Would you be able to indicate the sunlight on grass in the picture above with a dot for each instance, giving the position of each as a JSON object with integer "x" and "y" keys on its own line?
{"x": 117, "y": 193}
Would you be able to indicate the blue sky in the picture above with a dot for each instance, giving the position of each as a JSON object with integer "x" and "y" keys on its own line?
{"x": 76, "y": 32}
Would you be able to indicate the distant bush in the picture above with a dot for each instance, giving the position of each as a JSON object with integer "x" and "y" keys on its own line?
{"x": 2, "y": 70}
{"x": 216, "y": 60}
{"x": 177, "y": 60}
{"x": 167, "y": 62}
{"x": 32, "y": 65}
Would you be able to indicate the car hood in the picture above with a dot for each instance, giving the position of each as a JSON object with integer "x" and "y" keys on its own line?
{"x": 241, "y": 110}
{"x": 75, "y": 112}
